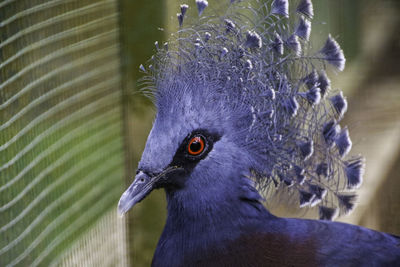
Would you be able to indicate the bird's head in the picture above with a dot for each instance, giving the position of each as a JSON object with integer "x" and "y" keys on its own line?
{"x": 194, "y": 147}
{"x": 235, "y": 101}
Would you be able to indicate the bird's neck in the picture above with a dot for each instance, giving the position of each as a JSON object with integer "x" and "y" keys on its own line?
{"x": 213, "y": 216}
{"x": 200, "y": 223}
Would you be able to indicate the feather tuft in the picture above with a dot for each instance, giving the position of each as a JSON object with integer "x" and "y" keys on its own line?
{"x": 253, "y": 40}
{"x": 311, "y": 79}
{"x": 291, "y": 106}
{"x": 248, "y": 65}
{"x": 180, "y": 19}
{"x": 313, "y": 96}
{"x": 322, "y": 169}
{"x": 230, "y": 26}
{"x": 323, "y": 83}
{"x": 181, "y": 15}
{"x": 184, "y": 8}
{"x": 277, "y": 44}
{"x": 354, "y": 170}
{"x": 339, "y": 103}
{"x": 300, "y": 179}
{"x": 327, "y": 213}
{"x": 305, "y": 7}
{"x": 299, "y": 174}
{"x": 280, "y": 7}
{"x": 207, "y": 36}
{"x": 319, "y": 193}
{"x": 298, "y": 170}
{"x": 306, "y": 149}
{"x": 268, "y": 93}
{"x": 285, "y": 180}
{"x": 346, "y": 202}
{"x": 201, "y": 5}
{"x": 303, "y": 30}
{"x": 266, "y": 114}
{"x": 224, "y": 51}
{"x": 293, "y": 43}
{"x": 305, "y": 198}
{"x": 333, "y": 54}
{"x": 343, "y": 142}
{"x": 330, "y": 130}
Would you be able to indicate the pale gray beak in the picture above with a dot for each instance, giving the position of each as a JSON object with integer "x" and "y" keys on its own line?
{"x": 137, "y": 191}
{"x": 141, "y": 187}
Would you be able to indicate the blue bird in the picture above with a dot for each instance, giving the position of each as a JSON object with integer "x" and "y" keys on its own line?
{"x": 245, "y": 111}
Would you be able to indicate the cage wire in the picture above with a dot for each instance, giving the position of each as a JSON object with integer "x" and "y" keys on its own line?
{"x": 61, "y": 146}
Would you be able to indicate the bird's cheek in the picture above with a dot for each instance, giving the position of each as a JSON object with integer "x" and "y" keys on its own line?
{"x": 173, "y": 181}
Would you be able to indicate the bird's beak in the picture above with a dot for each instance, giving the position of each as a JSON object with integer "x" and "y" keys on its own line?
{"x": 140, "y": 188}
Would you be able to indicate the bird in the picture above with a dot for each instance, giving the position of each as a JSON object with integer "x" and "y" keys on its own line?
{"x": 245, "y": 111}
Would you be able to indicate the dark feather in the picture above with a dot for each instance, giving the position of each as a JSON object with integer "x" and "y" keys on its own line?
{"x": 293, "y": 43}
{"x": 184, "y": 8}
{"x": 180, "y": 19}
{"x": 326, "y": 213}
{"x": 305, "y": 7}
{"x": 291, "y": 105}
{"x": 306, "y": 149}
{"x": 323, "y": 83}
{"x": 305, "y": 198}
{"x": 230, "y": 26}
{"x": 303, "y": 29}
{"x": 280, "y": 7}
{"x": 277, "y": 44}
{"x": 322, "y": 169}
{"x": 333, "y": 54}
{"x": 201, "y": 5}
{"x": 311, "y": 80}
{"x": 346, "y": 202}
{"x": 319, "y": 193}
{"x": 330, "y": 131}
{"x": 253, "y": 40}
{"x": 299, "y": 172}
{"x": 343, "y": 142}
{"x": 313, "y": 96}
{"x": 339, "y": 103}
{"x": 354, "y": 170}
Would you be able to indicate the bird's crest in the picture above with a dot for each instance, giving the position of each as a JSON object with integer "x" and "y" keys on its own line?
{"x": 256, "y": 63}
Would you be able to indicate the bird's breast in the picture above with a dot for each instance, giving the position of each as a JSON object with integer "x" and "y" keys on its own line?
{"x": 249, "y": 249}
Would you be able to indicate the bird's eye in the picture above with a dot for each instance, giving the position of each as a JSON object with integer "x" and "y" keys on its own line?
{"x": 196, "y": 145}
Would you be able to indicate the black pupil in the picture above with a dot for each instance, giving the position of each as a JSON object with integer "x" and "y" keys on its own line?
{"x": 195, "y": 146}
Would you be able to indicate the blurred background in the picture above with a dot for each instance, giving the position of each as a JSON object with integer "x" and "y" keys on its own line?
{"x": 73, "y": 123}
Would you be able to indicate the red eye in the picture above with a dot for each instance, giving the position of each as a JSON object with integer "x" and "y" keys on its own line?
{"x": 196, "y": 145}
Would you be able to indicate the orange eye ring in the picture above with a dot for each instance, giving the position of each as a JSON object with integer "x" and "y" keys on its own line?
{"x": 196, "y": 146}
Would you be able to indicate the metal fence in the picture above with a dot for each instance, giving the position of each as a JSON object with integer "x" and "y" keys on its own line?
{"x": 61, "y": 146}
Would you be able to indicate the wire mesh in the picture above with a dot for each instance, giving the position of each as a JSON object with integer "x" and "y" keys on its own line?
{"x": 61, "y": 153}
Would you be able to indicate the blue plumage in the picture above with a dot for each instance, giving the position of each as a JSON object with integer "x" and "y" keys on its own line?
{"x": 243, "y": 110}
